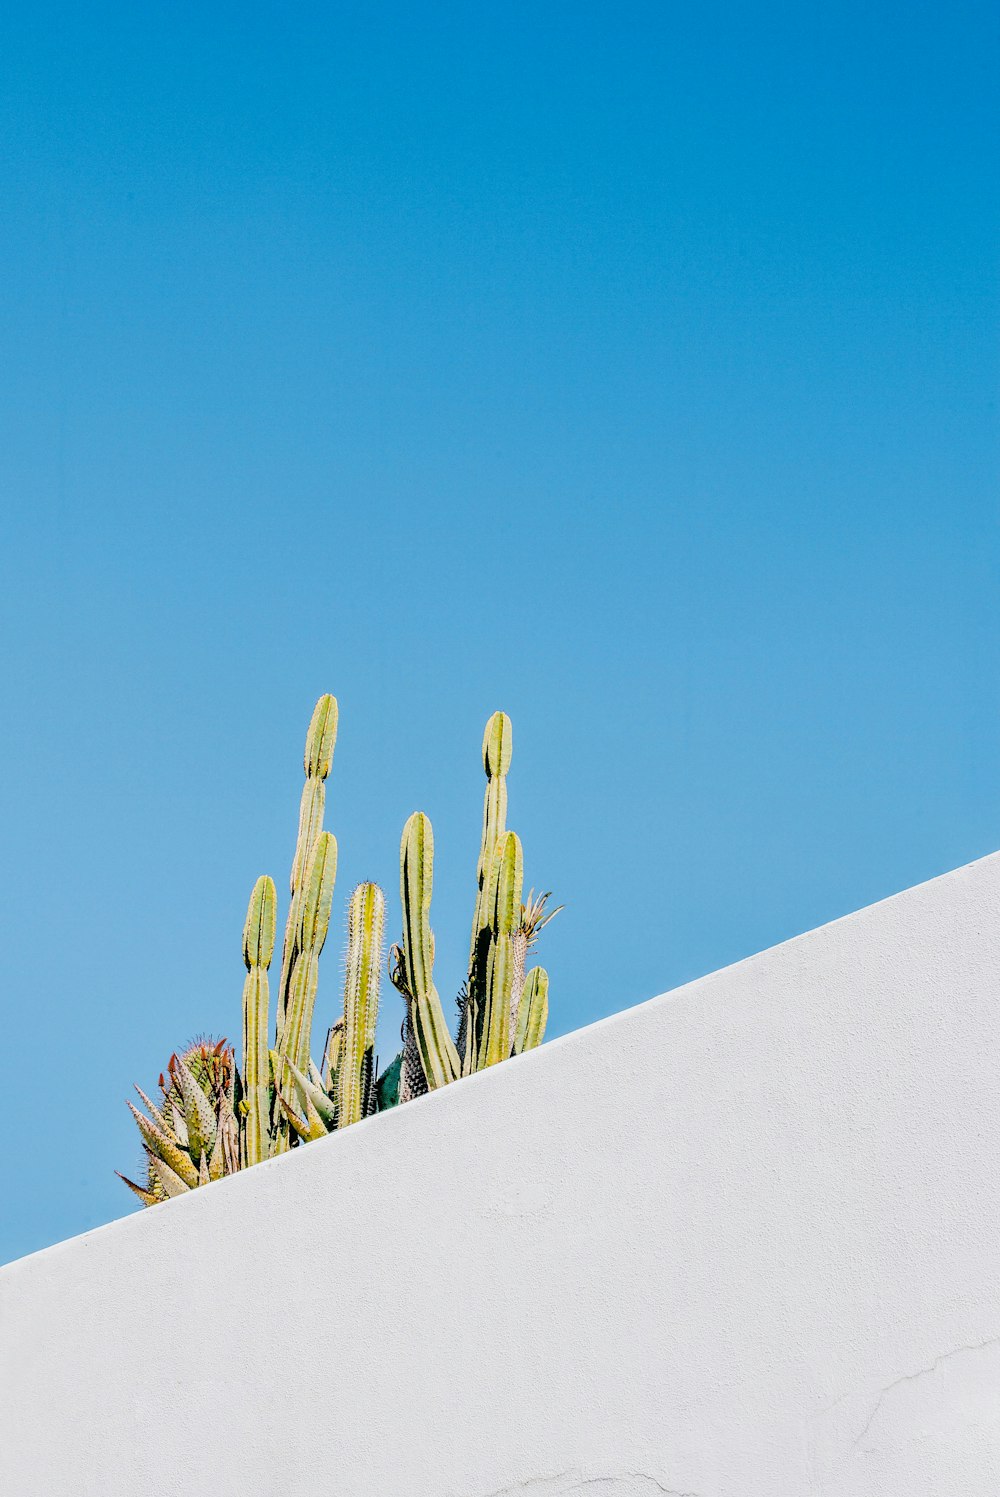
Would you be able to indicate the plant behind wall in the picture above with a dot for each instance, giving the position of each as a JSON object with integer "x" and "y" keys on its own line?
{"x": 213, "y": 1118}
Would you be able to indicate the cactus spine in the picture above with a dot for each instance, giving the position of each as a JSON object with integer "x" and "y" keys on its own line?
{"x": 365, "y": 927}
{"x": 498, "y": 748}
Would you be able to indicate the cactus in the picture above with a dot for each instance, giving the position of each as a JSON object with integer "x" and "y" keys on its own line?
{"x": 321, "y": 739}
{"x": 532, "y": 1011}
{"x": 309, "y": 938}
{"x": 412, "y": 970}
{"x": 365, "y": 926}
{"x": 212, "y": 1120}
{"x": 500, "y": 1014}
{"x": 258, "y": 945}
{"x": 316, "y": 1100}
{"x": 498, "y": 748}
{"x": 493, "y": 968}
{"x": 252, "y": 1123}
{"x": 314, "y": 872}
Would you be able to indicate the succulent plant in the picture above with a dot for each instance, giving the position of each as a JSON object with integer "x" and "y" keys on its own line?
{"x": 258, "y": 946}
{"x": 315, "y": 1100}
{"x": 191, "y": 1136}
{"x": 502, "y": 1008}
{"x": 213, "y": 1120}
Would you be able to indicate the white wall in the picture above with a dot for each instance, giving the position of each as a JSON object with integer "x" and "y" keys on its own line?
{"x": 743, "y": 1240}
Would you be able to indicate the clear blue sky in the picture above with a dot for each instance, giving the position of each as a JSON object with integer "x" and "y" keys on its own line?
{"x": 631, "y": 367}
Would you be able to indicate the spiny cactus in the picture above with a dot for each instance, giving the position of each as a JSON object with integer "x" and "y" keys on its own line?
{"x": 192, "y": 1137}
{"x": 258, "y": 946}
{"x": 501, "y": 1010}
{"x": 251, "y": 1125}
{"x": 321, "y": 740}
{"x": 213, "y": 1120}
{"x": 317, "y": 1100}
{"x": 365, "y": 929}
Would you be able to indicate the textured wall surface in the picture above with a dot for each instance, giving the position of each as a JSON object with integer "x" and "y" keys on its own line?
{"x": 742, "y": 1241}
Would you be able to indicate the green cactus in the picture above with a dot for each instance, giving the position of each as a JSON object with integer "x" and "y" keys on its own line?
{"x": 212, "y": 1120}
{"x": 258, "y": 946}
{"x": 412, "y": 971}
{"x": 309, "y": 938}
{"x": 532, "y": 1011}
{"x": 316, "y": 1100}
{"x": 321, "y": 739}
{"x": 503, "y": 930}
{"x": 365, "y": 927}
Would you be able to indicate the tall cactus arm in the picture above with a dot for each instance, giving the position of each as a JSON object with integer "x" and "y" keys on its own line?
{"x": 533, "y": 1011}
{"x": 495, "y": 975}
{"x": 258, "y": 947}
{"x": 495, "y": 1044}
{"x": 314, "y": 922}
{"x": 498, "y": 748}
{"x": 320, "y": 743}
{"x": 414, "y": 973}
{"x": 365, "y": 927}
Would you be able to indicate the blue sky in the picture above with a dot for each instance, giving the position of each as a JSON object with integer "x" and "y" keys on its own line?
{"x": 633, "y": 368}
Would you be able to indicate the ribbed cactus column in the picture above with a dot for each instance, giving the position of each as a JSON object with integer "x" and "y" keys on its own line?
{"x": 365, "y": 926}
{"x": 498, "y": 749}
{"x": 258, "y": 946}
{"x": 314, "y": 922}
{"x": 321, "y": 740}
{"x": 434, "y": 1044}
{"x": 532, "y": 1011}
{"x": 495, "y": 956}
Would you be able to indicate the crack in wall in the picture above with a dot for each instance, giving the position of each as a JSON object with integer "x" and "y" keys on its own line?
{"x": 912, "y": 1377}
{"x": 580, "y": 1483}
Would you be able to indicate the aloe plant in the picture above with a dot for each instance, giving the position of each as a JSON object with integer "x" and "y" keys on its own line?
{"x": 191, "y": 1137}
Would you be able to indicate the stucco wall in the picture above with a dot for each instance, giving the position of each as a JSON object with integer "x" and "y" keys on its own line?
{"x": 742, "y": 1240}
